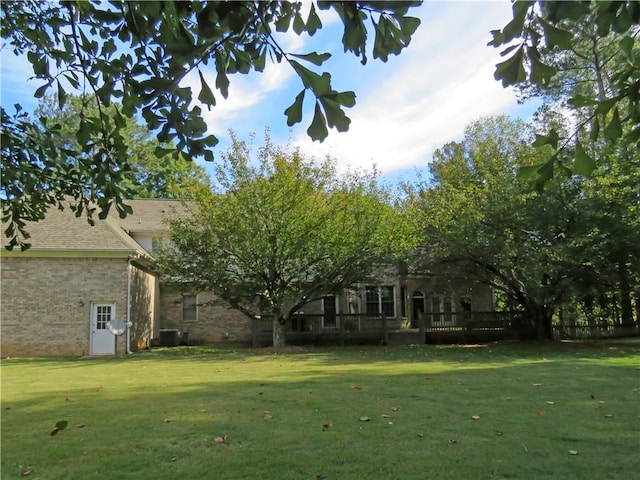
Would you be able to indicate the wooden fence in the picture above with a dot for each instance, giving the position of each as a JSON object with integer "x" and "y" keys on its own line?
{"x": 340, "y": 329}
{"x": 603, "y": 329}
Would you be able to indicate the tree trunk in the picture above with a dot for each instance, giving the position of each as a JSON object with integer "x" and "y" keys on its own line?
{"x": 625, "y": 293}
{"x": 278, "y": 332}
{"x": 540, "y": 316}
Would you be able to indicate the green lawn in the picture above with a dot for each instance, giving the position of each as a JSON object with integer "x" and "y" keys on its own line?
{"x": 508, "y": 411}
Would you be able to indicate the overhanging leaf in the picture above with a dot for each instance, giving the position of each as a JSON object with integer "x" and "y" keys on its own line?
{"x": 541, "y": 73}
{"x": 581, "y": 101}
{"x": 313, "y": 21}
{"x": 556, "y": 37}
{"x": 335, "y": 115}
{"x": 206, "y": 95}
{"x": 626, "y": 45}
{"x": 318, "y": 128}
{"x": 313, "y": 57}
{"x": 511, "y": 71}
{"x": 294, "y": 111}
{"x": 583, "y": 163}
{"x": 613, "y": 130}
{"x": 551, "y": 139}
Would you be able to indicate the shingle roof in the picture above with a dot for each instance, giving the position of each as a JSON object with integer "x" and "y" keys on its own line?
{"x": 151, "y": 214}
{"x": 62, "y": 230}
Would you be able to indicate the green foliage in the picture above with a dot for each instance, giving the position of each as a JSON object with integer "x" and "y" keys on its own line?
{"x": 480, "y": 220}
{"x": 133, "y": 56}
{"x": 53, "y": 158}
{"x": 585, "y": 52}
{"x": 573, "y": 246}
{"x": 282, "y": 232}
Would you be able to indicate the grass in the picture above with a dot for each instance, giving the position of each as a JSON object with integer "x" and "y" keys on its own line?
{"x": 155, "y": 415}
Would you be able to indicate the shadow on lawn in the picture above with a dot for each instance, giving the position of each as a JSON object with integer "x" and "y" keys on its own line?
{"x": 493, "y": 352}
{"x": 154, "y": 421}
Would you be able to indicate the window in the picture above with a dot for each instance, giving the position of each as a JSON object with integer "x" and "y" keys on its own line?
{"x": 465, "y": 304}
{"x": 102, "y": 316}
{"x": 353, "y": 300}
{"x": 189, "y": 308}
{"x": 380, "y": 300}
{"x": 329, "y": 312}
{"x": 441, "y": 308}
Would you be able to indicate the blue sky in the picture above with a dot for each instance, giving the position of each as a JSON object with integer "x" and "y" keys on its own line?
{"x": 406, "y": 107}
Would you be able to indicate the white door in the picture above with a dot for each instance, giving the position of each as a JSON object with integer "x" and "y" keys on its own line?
{"x": 102, "y": 341}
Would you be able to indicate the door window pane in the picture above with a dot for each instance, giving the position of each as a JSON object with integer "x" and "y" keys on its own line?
{"x": 103, "y": 315}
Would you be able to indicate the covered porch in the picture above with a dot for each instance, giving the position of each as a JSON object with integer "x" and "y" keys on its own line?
{"x": 377, "y": 329}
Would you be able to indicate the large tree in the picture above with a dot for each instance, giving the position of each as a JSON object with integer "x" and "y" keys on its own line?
{"x": 587, "y": 53}
{"x": 145, "y": 175}
{"x": 138, "y": 53}
{"x": 479, "y": 220}
{"x": 588, "y": 70}
{"x": 282, "y": 231}
{"x": 607, "y": 238}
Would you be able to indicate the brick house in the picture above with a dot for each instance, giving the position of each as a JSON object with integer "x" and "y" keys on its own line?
{"x": 58, "y": 297}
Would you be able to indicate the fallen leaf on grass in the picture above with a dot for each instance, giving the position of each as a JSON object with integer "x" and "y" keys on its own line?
{"x": 475, "y": 417}
{"x": 61, "y": 425}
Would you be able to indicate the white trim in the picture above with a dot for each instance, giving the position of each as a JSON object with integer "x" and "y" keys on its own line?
{"x": 128, "y": 347}
{"x": 92, "y": 320}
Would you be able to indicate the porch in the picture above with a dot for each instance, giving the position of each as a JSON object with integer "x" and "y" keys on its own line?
{"x": 377, "y": 329}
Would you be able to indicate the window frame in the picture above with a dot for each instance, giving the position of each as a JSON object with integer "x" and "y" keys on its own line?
{"x": 187, "y": 307}
{"x": 374, "y": 295}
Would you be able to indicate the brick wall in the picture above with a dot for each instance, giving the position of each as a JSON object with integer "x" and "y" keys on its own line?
{"x": 216, "y": 323}
{"x": 46, "y": 302}
{"x": 145, "y": 293}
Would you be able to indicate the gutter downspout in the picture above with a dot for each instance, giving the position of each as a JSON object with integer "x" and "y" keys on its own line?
{"x": 128, "y": 349}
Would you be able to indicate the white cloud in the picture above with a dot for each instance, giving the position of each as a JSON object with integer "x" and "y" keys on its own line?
{"x": 441, "y": 83}
{"x": 16, "y": 84}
